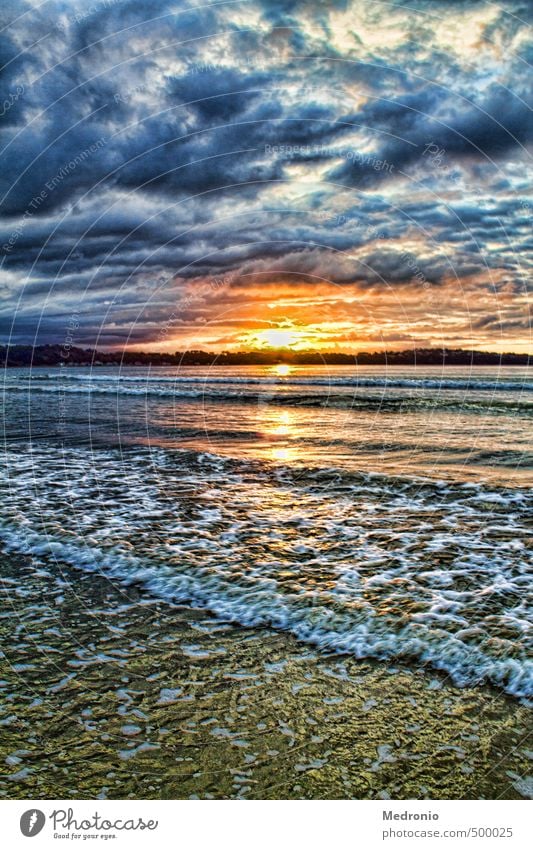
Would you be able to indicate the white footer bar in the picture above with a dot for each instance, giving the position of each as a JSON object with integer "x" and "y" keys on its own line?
{"x": 267, "y": 825}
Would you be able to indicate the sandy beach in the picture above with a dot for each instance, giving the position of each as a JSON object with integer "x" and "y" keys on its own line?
{"x": 109, "y": 693}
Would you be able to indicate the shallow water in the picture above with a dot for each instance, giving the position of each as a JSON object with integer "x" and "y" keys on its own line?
{"x": 456, "y": 423}
{"x": 108, "y": 692}
{"x": 380, "y": 513}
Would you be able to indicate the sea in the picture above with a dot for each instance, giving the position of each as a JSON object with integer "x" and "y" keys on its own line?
{"x": 380, "y": 513}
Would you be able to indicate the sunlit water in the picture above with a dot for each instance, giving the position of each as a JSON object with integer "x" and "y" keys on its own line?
{"x": 381, "y": 513}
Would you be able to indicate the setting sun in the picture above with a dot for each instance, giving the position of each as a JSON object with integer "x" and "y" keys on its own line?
{"x": 282, "y": 370}
{"x": 279, "y": 337}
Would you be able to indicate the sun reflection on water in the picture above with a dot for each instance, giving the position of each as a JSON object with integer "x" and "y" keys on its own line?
{"x": 281, "y": 370}
{"x": 280, "y": 426}
{"x": 283, "y": 455}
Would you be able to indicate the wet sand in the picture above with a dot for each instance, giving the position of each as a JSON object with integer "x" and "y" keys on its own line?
{"x": 109, "y": 693}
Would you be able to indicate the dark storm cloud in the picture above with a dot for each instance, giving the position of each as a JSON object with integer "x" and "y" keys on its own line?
{"x": 148, "y": 142}
{"x": 482, "y": 131}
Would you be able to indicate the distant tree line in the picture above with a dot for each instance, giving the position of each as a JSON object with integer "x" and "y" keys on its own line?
{"x": 55, "y": 355}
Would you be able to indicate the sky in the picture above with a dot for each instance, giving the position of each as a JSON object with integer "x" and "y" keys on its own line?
{"x": 343, "y": 176}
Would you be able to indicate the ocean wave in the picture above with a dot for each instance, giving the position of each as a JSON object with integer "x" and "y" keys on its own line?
{"x": 423, "y": 572}
{"x": 239, "y": 393}
{"x": 466, "y": 384}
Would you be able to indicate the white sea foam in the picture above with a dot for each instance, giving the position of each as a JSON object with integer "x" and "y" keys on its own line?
{"x": 380, "y": 571}
{"x": 342, "y": 395}
{"x": 467, "y": 383}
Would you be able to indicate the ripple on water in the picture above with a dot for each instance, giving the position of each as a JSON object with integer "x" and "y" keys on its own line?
{"x": 389, "y": 568}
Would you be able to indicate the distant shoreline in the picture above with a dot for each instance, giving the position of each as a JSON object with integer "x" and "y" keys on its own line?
{"x": 20, "y": 356}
